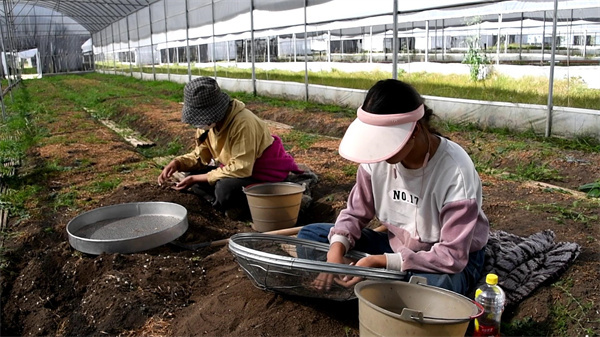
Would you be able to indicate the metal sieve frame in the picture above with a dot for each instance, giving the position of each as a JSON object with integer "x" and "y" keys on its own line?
{"x": 260, "y": 266}
{"x": 146, "y": 239}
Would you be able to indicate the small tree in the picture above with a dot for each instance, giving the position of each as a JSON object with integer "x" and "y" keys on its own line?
{"x": 478, "y": 61}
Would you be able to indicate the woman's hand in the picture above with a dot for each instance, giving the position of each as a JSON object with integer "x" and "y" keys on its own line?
{"x": 371, "y": 261}
{"x": 334, "y": 255}
{"x": 168, "y": 171}
{"x": 190, "y": 180}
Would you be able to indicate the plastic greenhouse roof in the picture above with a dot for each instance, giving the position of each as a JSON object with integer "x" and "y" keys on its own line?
{"x": 93, "y": 16}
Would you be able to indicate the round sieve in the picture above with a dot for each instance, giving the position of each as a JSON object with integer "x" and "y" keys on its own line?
{"x": 127, "y": 228}
{"x": 289, "y": 265}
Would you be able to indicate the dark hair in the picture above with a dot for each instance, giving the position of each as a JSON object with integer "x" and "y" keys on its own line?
{"x": 394, "y": 96}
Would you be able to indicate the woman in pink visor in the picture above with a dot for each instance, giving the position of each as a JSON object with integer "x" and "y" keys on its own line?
{"x": 421, "y": 186}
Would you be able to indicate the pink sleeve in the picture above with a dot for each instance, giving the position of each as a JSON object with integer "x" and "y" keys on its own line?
{"x": 461, "y": 222}
{"x": 358, "y": 212}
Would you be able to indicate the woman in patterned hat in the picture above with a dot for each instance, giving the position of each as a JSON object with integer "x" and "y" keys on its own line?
{"x": 234, "y": 148}
{"x": 421, "y": 186}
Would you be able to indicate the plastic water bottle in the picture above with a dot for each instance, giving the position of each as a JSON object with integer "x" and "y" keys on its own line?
{"x": 492, "y": 298}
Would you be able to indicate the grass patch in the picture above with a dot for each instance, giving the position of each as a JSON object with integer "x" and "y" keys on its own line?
{"x": 64, "y": 200}
{"x": 301, "y": 105}
{"x": 537, "y": 172}
{"x": 561, "y": 214}
{"x": 571, "y": 92}
{"x": 592, "y": 189}
{"x": 103, "y": 186}
{"x": 350, "y": 170}
{"x": 16, "y": 200}
{"x": 301, "y": 139}
{"x": 571, "y": 313}
{"x": 173, "y": 148}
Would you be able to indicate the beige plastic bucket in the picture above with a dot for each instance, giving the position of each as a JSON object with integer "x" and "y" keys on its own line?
{"x": 396, "y": 308}
{"x": 274, "y": 206}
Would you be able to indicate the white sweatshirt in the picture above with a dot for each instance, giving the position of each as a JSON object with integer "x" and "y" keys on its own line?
{"x": 433, "y": 215}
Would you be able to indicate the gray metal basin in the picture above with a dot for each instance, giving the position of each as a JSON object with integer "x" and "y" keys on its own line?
{"x": 127, "y": 228}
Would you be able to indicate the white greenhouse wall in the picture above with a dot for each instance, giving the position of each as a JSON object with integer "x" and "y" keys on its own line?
{"x": 566, "y": 122}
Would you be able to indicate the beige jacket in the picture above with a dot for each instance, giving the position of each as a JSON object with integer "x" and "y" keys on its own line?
{"x": 235, "y": 147}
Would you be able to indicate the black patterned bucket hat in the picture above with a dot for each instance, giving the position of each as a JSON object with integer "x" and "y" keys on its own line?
{"x": 203, "y": 102}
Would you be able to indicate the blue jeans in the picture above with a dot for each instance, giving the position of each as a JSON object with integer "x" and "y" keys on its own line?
{"x": 375, "y": 243}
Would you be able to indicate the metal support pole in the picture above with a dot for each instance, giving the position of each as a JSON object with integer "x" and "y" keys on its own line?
{"x": 102, "y": 51}
{"x": 252, "y": 47}
{"x": 341, "y": 47}
{"x": 427, "y": 41}
{"x": 328, "y": 46}
{"x": 435, "y": 41}
{"x": 187, "y": 41}
{"x": 584, "y": 43}
{"x": 167, "y": 42}
{"x": 305, "y": 53}
{"x": 64, "y": 57}
{"x": 294, "y": 45}
{"x": 371, "y": 44}
{"x": 443, "y": 41}
{"x": 151, "y": 40}
{"x": 521, "y": 38}
{"x": 551, "y": 78}
{"x": 138, "y": 55}
{"x": 395, "y": 42}
{"x": 412, "y": 32}
{"x": 543, "y": 36}
{"x": 213, "y": 37}
{"x": 4, "y": 49}
{"x": 569, "y": 39}
{"x": 112, "y": 32}
{"x": 499, "y": 38}
{"x": 93, "y": 60}
{"x": 129, "y": 48}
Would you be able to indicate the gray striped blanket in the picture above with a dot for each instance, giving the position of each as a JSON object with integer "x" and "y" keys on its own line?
{"x": 525, "y": 263}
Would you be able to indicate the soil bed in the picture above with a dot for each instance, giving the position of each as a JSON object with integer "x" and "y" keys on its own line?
{"x": 52, "y": 289}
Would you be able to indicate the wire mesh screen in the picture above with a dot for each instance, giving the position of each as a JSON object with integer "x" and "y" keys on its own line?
{"x": 289, "y": 265}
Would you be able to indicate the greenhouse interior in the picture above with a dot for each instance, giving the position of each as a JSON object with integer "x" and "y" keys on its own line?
{"x": 178, "y": 39}
{"x": 93, "y": 98}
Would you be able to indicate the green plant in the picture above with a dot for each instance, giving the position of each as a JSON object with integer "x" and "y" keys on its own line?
{"x": 592, "y": 189}
{"x": 475, "y": 57}
{"x": 61, "y": 200}
{"x": 499, "y": 88}
{"x": 571, "y": 313}
{"x": 537, "y": 172}
{"x": 104, "y": 186}
{"x": 173, "y": 148}
{"x": 15, "y": 200}
{"x": 477, "y": 63}
{"x": 561, "y": 213}
{"x": 525, "y": 327}
{"x": 301, "y": 139}
{"x": 350, "y": 170}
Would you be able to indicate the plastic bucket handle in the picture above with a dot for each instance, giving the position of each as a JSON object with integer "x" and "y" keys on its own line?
{"x": 410, "y": 315}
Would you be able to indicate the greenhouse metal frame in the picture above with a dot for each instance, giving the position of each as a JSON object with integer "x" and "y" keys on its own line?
{"x": 148, "y": 38}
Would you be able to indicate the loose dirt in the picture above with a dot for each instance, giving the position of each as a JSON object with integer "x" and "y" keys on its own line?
{"x": 51, "y": 289}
